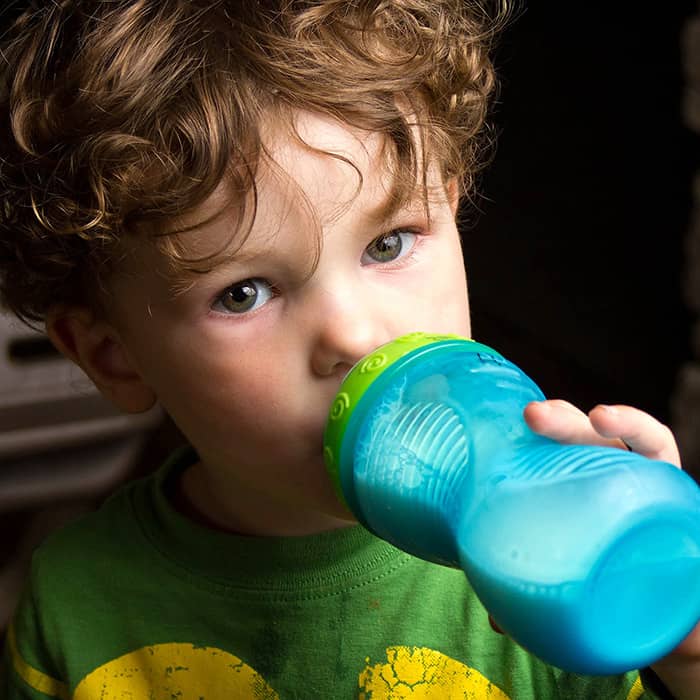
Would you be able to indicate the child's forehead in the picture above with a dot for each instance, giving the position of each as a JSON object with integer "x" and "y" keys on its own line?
{"x": 323, "y": 133}
{"x": 313, "y": 169}
{"x": 336, "y": 165}
{"x": 308, "y": 159}
{"x": 325, "y": 158}
{"x": 311, "y": 161}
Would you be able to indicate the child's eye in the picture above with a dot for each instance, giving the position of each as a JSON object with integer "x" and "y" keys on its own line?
{"x": 389, "y": 246}
{"x": 243, "y": 297}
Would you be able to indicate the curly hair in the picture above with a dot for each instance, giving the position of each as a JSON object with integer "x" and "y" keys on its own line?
{"x": 117, "y": 117}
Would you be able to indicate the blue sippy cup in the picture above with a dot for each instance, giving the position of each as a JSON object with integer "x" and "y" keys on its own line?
{"x": 589, "y": 557}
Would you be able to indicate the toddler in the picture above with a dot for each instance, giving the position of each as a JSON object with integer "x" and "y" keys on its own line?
{"x": 220, "y": 206}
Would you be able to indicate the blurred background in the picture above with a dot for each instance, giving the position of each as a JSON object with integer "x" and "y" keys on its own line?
{"x": 581, "y": 263}
{"x": 579, "y": 259}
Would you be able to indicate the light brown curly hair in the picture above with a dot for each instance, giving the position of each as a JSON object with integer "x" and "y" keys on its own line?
{"x": 117, "y": 117}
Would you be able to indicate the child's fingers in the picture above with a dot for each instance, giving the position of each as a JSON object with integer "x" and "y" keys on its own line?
{"x": 615, "y": 426}
{"x": 563, "y": 422}
{"x": 641, "y": 432}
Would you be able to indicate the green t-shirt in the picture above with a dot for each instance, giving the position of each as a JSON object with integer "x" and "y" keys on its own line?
{"x": 136, "y": 602}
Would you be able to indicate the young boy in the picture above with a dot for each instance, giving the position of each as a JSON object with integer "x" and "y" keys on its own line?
{"x": 221, "y": 206}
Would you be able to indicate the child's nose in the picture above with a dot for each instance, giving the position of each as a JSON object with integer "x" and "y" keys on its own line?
{"x": 347, "y": 330}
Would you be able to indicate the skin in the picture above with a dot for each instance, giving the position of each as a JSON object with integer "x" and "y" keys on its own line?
{"x": 251, "y": 387}
{"x": 252, "y": 390}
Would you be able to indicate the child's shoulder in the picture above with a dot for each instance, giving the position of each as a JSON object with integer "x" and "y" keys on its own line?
{"x": 113, "y": 535}
{"x": 110, "y": 518}
{"x": 91, "y": 538}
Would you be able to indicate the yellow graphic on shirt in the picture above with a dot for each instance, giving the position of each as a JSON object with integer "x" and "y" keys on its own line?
{"x": 33, "y": 677}
{"x": 637, "y": 690}
{"x": 187, "y": 672}
{"x": 175, "y": 671}
{"x": 423, "y": 674}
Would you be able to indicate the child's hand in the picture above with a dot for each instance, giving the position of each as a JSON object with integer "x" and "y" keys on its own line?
{"x": 627, "y": 428}
{"x": 617, "y": 426}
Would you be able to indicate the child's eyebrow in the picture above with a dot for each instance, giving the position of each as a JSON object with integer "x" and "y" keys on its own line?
{"x": 387, "y": 212}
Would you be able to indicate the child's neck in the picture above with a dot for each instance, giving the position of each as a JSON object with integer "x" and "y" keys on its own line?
{"x": 197, "y": 499}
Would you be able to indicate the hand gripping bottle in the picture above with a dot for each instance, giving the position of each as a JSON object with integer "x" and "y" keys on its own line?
{"x": 589, "y": 557}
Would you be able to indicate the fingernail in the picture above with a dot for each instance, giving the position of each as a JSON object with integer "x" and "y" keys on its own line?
{"x": 612, "y": 410}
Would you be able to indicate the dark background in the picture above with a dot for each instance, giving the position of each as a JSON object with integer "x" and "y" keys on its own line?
{"x": 575, "y": 260}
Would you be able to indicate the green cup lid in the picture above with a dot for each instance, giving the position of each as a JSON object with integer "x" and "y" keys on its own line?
{"x": 359, "y": 379}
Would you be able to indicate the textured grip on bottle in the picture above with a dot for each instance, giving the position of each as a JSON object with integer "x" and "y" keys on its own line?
{"x": 409, "y": 464}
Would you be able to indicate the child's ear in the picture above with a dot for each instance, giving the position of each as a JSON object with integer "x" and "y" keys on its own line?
{"x": 95, "y": 346}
